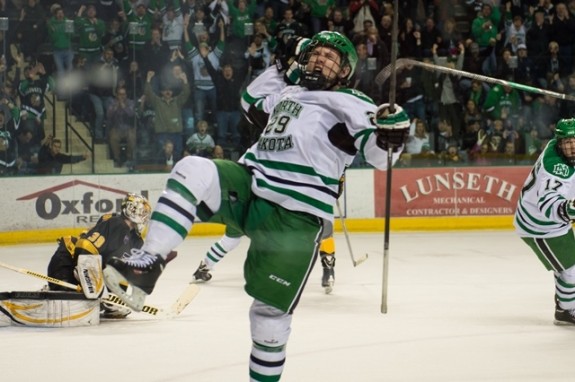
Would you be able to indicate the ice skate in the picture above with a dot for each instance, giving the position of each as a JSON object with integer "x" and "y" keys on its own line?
{"x": 141, "y": 271}
{"x": 202, "y": 274}
{"x": 328, "y": 277}
{"x": 563, "y": 316}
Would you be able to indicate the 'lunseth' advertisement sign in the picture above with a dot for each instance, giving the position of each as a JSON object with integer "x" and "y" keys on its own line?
{"x": 458, "y": 191}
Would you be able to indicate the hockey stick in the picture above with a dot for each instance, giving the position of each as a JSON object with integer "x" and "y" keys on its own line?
{"x": 177, "y": 307}
{"x": 52, "y": 280}
{"x": 342, "y": 219}
{"x": 386, "y": 72}
{"x": 385, "y": 271}
{"x": 189, "y": 293}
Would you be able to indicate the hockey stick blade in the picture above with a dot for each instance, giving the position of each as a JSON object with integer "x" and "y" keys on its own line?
{"x": 184, "y": 300}
{"x": 360, "y": 260}
{"x": 148, "y": 309}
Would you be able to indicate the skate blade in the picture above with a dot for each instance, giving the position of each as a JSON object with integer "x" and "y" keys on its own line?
{"x": 328, "y": 288}
{"x": 563, "y": 323}
{"x": 114, "y": 279}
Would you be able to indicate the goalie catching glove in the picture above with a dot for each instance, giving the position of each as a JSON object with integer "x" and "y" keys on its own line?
{"x": 392, "y": 127}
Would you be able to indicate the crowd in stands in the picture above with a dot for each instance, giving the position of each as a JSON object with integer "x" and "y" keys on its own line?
{"x": 159, "y": 79}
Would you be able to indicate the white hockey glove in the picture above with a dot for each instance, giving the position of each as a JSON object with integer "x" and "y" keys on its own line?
{"x": 392, "y": 128}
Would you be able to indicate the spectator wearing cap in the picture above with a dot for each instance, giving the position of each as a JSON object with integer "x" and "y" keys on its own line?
{"x": 168, "y": 124}
{"x": 60, "y": 40}
{"x": 525, "y": 71}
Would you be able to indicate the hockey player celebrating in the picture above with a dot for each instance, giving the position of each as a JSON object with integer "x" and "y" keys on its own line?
{"x": 112, "y": 236}
{"x": 279, "y": 194}
{"x": 545, "y": 212}
{"x": 275, "y": 78}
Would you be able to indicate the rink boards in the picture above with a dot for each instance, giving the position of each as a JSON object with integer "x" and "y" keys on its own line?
{"x": 38, "y": 209}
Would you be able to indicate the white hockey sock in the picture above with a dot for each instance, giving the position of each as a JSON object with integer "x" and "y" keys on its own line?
{"x": 266, "y": 363}
{"x": 565, "y": 288}
{"x": 219, "y": 250}
{"x": 193, "y": 181}
{"x": 270, "y": 328}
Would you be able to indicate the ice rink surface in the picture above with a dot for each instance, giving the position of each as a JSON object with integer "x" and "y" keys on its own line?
{"x": 463, "y": 306}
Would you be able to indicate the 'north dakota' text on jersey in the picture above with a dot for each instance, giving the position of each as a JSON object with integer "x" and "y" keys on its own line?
{"x": 275, "y": 143}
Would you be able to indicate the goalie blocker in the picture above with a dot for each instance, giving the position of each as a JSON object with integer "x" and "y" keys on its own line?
{"x": 48, "y": 309}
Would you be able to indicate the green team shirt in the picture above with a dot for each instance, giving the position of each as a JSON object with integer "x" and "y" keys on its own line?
{"x": 90, "y": 35}
{"x": 549, "y": 184}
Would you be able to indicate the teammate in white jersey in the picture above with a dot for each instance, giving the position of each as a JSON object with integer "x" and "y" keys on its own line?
{"x": 545, "y": 212}
{"x": 279, "y": 195}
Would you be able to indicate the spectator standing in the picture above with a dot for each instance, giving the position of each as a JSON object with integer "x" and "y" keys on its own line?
{"x": 205, "y": 94}
{"x": 289, "y": 27}
{"x": 157, "y": 55}
{"x": 32, "y": 91}
{"x": 167, "y": 123}
{"x": 338, "y": 22}
{"x": 61, "y": 40}
{"x": 141, "y": 33}
{"x": 115, "y": 38}
{"x": 105, "y": 78}
{"x": 258, "y": 56}
{"x": 240, "y": 15}
{"x": 8, "y": 153}
{"x": 90, "y": 30}
{"x": 449, "y": 101}
{"x": 563, "y": 32}
{"x": 173, "y": 28}
{"x": 538, "y": 37}
{"x": 503, "y": 102}
{"x": 362, "y": 10}
{"x": 31, "y": 25}
{"x": 51, "y": 160}
{"x": 121, "y": 124}
{"x": 229, "y": 89}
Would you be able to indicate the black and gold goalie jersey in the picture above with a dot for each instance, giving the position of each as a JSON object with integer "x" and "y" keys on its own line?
{"x": 110, "y": 237}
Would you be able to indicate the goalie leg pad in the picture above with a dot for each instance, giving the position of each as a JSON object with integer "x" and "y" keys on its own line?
{"x": 49, "y": 309}
{"x": 89, "y": 273}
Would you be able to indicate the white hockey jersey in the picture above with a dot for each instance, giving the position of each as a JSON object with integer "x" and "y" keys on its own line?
{"x": 548, "y": 185}
{"x": 310, "y": 138}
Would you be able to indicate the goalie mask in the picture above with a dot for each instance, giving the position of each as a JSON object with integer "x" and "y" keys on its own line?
{"x": 328, "y": 60}
{"x": 136, "y": 209}
{"x": 565, "y": 135}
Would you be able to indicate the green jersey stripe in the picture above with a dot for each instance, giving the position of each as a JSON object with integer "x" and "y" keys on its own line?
{"x": 162, "y": 218}
{"x": 291, "y": 167}
{"x": 314, "y": 203}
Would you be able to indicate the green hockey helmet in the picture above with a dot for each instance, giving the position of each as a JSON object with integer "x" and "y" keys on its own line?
{"x": 565, "y": 129}
{"x": 314, "y": 79}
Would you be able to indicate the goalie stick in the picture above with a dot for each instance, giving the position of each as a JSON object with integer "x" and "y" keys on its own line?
{"x": 344, "y": 228}
{"x": 387, "y": 72}
{"x": 189, "y": 293}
